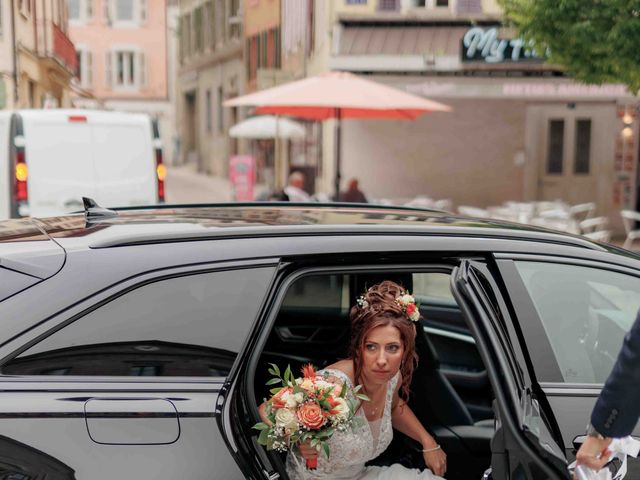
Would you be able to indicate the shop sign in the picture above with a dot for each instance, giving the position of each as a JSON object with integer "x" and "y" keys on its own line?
{"x": 242, "y": 174}
{"x": 483, "y": 45}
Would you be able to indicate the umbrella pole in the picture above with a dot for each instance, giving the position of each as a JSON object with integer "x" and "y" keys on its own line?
{"x": 337, "y": 153}
{"x": 277, "y": 167}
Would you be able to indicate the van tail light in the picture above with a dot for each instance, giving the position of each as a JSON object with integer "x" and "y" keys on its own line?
{"x": 20, "y": 192}
{"x": 161, "y": 174}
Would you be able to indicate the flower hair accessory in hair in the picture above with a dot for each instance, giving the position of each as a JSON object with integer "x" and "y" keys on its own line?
{"x": 362, "y": 303}
{"x": 408, "y": 305}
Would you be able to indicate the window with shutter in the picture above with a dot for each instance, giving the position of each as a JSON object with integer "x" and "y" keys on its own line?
{"x": 89, "y": 63}
{"x": 211, "y": 22}
{"x": 74, "y": 9}
{"x": 142, "y": 70}
{"x": 107, "y": 12}
{"x": 143, "y": 11}
{"x": 108, "y": 69}
{"x": 89, "y": 9}
{"x": 79, "y": 65}
{"x": 125, "y": 10}
{"x": 469, "y": 6}
{"x": 388, "y": 5}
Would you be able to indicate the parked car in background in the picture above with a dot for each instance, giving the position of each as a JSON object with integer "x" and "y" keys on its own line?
{"x": 135, "y": 343}
{"x": 51, "y": 158}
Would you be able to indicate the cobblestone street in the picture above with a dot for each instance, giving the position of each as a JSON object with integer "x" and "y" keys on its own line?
{"x": 185, "y": 185}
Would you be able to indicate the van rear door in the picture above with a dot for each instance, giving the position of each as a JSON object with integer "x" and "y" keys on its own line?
{"x": 124, "y": 160}
{"x": 59, "y": 156}
{"x": 5, "y": 165}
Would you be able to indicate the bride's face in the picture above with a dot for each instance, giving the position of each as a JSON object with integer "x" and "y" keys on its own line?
{"x": 382, "y": 355}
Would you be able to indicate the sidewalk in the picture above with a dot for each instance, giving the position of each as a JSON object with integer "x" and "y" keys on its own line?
{"x": 185, "y": 185}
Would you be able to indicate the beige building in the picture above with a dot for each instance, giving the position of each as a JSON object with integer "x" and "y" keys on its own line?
{"x": 520, "y": 130}
{"x": 37, "y": 58}
{"x": 211, "y": 70}
{"x": 126, "y": 58}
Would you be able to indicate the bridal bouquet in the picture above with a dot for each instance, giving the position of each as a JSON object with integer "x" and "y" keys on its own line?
{"x": 310, "y": 408}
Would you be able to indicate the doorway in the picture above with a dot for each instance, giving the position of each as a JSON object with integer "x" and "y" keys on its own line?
{"x": 189, "y": 131}
{"x": 569, "y": 145}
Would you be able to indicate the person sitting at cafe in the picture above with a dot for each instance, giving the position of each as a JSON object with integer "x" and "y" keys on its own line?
{"x": 353, "y": 193}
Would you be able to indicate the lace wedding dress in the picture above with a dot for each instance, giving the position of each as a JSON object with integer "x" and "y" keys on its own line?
{"x": 350, "y": 450}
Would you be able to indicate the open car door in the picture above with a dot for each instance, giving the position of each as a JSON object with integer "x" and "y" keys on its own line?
{"x": 523, "y": 447}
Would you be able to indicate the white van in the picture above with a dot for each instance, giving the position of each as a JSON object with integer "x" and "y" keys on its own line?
{"x": 50, "y": 159}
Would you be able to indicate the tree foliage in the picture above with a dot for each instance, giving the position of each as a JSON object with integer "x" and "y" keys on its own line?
{"x": 596, "y": 41}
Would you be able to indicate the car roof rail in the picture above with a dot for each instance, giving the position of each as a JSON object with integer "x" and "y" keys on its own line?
{"x": 93, "y": 211}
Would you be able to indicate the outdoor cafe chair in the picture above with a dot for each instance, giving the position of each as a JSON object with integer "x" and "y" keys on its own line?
{"x": 473, "y": 211}
{"x": 629, "y": 219}
{"x": 582, "y": 211}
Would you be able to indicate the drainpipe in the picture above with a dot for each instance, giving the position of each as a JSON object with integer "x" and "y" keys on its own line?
{"x": 15, "y": 54}
{"x": 35, "y": 26}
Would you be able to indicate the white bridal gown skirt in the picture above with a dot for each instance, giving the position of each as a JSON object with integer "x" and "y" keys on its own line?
{"x": 397, "y": 472}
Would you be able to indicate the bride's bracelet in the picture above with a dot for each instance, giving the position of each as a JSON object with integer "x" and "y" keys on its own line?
{"x": 428, "y": 450}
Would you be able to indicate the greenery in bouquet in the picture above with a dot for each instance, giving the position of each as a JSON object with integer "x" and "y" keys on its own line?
{"x": 310, "y": 409}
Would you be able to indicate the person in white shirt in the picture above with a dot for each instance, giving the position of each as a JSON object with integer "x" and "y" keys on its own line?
{"x": 295, "y": 188}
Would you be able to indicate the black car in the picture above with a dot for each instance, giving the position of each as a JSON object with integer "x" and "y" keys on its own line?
{"x": 135, "y": 343}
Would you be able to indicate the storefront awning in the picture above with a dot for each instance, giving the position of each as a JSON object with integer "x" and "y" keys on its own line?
{"x": 401, "y": 40}
{"x": 452, "y": 49}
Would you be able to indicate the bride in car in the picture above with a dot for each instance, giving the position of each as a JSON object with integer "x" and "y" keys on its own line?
{"x": 382, "y": 358}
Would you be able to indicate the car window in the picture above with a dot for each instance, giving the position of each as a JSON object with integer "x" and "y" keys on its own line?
{"x": 585, "y": 313}
{"x": 184, "y": 326}
{"x": 433, "y": 286}
{"x": 319, "y": 292}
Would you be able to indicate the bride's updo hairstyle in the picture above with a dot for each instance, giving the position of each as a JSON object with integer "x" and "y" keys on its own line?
{"x": 377, "y": 307}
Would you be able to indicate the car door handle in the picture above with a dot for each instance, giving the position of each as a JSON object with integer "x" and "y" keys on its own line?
{"x": 286, "y": 334}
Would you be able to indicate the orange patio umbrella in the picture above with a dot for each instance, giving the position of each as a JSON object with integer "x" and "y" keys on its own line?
{"x": 338, "y": 95}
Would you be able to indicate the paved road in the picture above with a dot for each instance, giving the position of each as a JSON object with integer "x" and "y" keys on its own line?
{"x": 185, "y": 185}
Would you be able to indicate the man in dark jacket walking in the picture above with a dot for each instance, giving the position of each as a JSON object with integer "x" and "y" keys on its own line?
{"x": 618, "y": 407}
{"x": 353, "y": 193}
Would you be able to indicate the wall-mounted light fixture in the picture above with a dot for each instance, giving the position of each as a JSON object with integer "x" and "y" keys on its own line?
{"x": 627, "y": 120}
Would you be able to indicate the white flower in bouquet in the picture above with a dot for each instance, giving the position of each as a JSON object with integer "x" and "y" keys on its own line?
{"x": 324, "y": 385}
{"x": 307, "y": 384}
{"x": 342, "y": 410}
{"x": 286, "y": 418}
{"x": 290, "y": 400}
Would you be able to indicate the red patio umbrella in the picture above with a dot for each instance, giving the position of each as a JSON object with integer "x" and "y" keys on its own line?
{"x": 338, "y": 95}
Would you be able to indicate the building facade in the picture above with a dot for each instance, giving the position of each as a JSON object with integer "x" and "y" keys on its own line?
{"x": 211, "y": 70}
{"x": 124, "y": 59}
{"x": 520, "y": 129}
{"x": 37, "y": 58}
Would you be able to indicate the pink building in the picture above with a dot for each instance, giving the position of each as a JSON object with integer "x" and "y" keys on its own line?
{"x": 124, "y": 59}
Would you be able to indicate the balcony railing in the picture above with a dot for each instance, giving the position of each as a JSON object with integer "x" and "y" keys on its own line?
{"x": 63, "y": 48}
